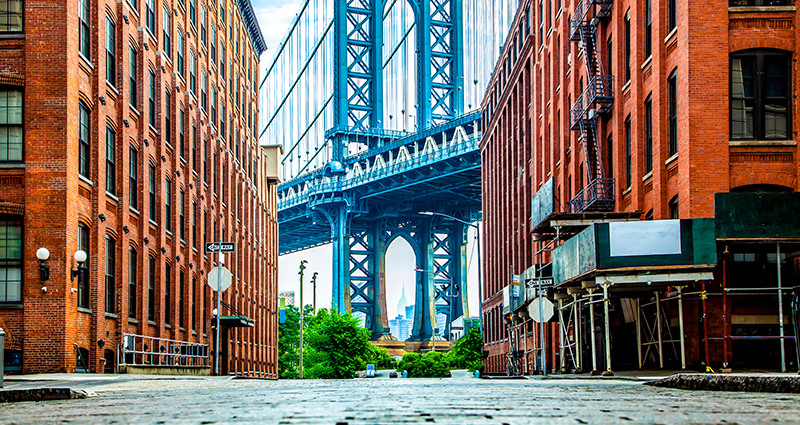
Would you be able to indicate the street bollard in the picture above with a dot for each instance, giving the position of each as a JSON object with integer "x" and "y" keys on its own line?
{"x": 2, "y": 349}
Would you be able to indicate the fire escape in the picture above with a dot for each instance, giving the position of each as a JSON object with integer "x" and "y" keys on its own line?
{"x": 596, "y": 100}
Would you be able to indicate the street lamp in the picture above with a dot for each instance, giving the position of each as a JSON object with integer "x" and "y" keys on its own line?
{"x": 80, "y": 258}
{"x": 478, "y": 242}
{"x": 43, "y": 254}
{"x": 302, "y": 267}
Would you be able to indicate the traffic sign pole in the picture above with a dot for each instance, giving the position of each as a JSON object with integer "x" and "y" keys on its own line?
{"x": 219, "y": 311}
{"x": 541, "y": 330}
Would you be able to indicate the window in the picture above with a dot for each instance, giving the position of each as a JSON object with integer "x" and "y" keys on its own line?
{"x": 168, "y": 118}
{"x": 203, "y": 91}
{"x": 111, "y": 160}
{"x": 193, "y": 319}
{"x": 203, "y": 22}
{"x": 194, "y": 225}
{"x": 83, "y": 278}
{"x": 222, "y": 60}
{"x": 648, "y": 135}
{"x": 84, "y": 150}
{"x": 110, "y": 265}
{"x": 167, "y": 294}
{"x": 181, "y": 213}
{"x": 628, "y": 46}
{"x": 11, "y": 129}
{"x": 609, "y": 56}
{"x": 673, "y": 208}
{"x": 10, "y": 260}
{"x": 111, "y": 51}
{"x": 610, "y": 155}
{"x": 192, "y": 73}
{"x": 193, "y": 11}
{"x": 672, "y": 15}
{"x": 181, "y": 69}
{"x": 672, "y": 93}
{"x": 213, "y": 36}
{"x": 648, "y": 28}
{"x": 214, "y": 107}
{"x": 168, "y": 204}
{"x": 133, "y": 183}
{"x": 182, "y": 133}
{"x": 151, "y": 98}
{"x": 151, "y": 289}
{"x": 152, "y": 192}
{"x": 760, "y": 96}
{"x": 132, "y": 282}
{"x": 167, "y": 46}
{"x": 132, "y": 76}
{"x": 11, "y": 19}
{"x": 181, "y": 307}
{"x": 151, "y": 16}
{"x": 628, "y": 152}
{"x": 194, "y": 148}
{"x": 84, "y": 28}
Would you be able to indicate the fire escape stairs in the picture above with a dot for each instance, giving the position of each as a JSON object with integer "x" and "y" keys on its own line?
{"x": 597, "y": 99}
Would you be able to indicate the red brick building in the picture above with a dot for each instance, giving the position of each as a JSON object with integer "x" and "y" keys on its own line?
{"x": 682, "y": 103}
{"x": 129, "y": 132}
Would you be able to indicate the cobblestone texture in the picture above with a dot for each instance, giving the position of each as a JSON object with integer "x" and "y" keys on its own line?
{"x": 448, "y": 401}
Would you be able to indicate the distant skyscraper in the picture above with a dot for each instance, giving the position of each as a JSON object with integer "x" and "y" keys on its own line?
{"x": 409, "y": 312}
{"x": 289, "y": 295}
{"x": 400, "y": 327}
{"x": 401, "y": 305}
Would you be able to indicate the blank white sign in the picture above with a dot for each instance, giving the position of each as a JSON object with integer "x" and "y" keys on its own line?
{"x": 650, "y": 237}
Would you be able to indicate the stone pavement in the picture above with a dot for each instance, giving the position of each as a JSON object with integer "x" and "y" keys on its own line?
{"x": 387, "y": 401}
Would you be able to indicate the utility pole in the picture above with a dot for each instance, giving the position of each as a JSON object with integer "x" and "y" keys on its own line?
{"x": 302, "y": 267}
{"x": 314, "y": 281}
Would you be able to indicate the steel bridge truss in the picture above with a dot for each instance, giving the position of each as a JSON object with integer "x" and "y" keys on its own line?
{"x": 440, "y": 251}
{"x": 358, "y": 80}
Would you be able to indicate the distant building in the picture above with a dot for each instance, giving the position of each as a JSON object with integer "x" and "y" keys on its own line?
{"x": 410, "y": 312}
{"x": 400, "y": 327}
{"x": 289, "y": 295}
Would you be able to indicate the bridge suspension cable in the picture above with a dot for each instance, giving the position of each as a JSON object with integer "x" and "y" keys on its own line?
{"x": 298, "y": 86}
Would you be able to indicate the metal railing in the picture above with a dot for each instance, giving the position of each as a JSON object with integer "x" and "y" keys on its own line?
{"x": 600, "y": 91}
{"x": 597, "y": 196}
{"x": 152, "y": 351}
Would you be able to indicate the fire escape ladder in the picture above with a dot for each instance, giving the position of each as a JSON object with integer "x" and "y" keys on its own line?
{"x": 597, "y": 99}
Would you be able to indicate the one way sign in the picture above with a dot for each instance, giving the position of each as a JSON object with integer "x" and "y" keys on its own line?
{"x": 220, "y": 247}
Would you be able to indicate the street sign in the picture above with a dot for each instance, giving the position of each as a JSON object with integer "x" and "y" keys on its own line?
{"x": 224, "y": 280}
{"x": 547, "y": 310}
{"x": 220, "y": 247}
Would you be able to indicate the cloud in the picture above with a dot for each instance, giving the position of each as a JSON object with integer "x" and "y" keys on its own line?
{"x": 274, "y": 17}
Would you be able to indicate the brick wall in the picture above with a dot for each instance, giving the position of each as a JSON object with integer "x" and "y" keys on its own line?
{"x": 56, "y": 199}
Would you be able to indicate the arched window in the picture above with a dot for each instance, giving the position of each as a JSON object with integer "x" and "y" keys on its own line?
{"x": 760, "y": 87}
{"x": 673, "y": 208}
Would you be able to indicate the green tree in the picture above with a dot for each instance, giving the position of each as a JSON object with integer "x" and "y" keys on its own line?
{"x": 289, "y": 343}
{"x": 339, "y": 346}
{"x": 467, "y": 352}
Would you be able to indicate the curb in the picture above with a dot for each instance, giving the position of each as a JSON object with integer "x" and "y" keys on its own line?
{"x": 42, "y": 394}
{"x": 739, "y": 383}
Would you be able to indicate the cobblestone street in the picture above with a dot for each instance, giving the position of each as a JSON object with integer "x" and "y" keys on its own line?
{"x": 449, "y": 401}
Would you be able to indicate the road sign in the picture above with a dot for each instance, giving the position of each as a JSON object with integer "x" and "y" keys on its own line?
{"x": 547, "y": 310}
{"x": 220, "y": 247}
{"x": 224, "y": 280}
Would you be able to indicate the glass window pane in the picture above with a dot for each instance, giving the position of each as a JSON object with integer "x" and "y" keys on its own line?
{"x": 742, "y": 119}
{"x": 776, "y": 119}
{"x": 742, "y": 77}
{"x": 776, "y": 73}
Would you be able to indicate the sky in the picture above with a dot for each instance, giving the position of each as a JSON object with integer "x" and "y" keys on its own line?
{"x": 274, "y": 17}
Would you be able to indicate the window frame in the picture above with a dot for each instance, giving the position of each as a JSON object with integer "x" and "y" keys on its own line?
{"x": 84, "y": 240}
{"x": 168, "y": 204}
{"x": 759, "y": 93}
{"x": 133, "y": 282}
{"x": 8, "y": 14}
{"x": 111, "y": 160}
{"x": 628, "y": 161}
{"x": 133, "y": 90}
{"x": 9, "y": 262}
{"x": 111, "y": 51}
{"x": 648, "y": 134}
{"x": 151, "y": 97}
{"x": 110, "y": 274}
{"x": 133, "y": 177}
{"x": 166, "y": 23}
{"x": 9, "y": 127}
{"x": 85, "y": 29}
{"x": 150, "y": 17}
{"x": 152, "y": 192}
{"x": 672, "y": 113}
{"x": 84, "y": 140}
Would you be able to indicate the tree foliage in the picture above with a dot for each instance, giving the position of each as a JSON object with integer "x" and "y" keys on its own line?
{"x": 467, "y": 352}
{"x": 429, "y": 365}
{"x": 335, "y": 346}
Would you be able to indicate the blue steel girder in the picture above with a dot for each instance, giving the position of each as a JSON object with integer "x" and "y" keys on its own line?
{"x": 440, "y": 63}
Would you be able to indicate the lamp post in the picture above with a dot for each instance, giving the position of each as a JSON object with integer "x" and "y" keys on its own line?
{"x": 43, "y": 254}
{"x": 302, "y": 267}
{"x": 478, "y": 242}
{"x": 314, "y": 281}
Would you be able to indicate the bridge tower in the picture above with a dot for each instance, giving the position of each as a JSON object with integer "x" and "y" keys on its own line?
{"x": 359, "y": 232}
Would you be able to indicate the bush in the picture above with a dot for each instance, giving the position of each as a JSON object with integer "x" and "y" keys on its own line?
{"x": 468, "y": 352}
{"x": 428, "y": 365}
{"x": 380, "y": 357}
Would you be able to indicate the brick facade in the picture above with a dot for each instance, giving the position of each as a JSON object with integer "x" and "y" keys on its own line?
{"x": 527, "y": 138}
{"x": 220, "y": 174}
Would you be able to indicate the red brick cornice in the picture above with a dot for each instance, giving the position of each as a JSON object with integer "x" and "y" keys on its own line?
{"x": 12, "y": 208}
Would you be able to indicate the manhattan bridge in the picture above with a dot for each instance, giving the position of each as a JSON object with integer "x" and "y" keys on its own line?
{"x": 376, "y": 105}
